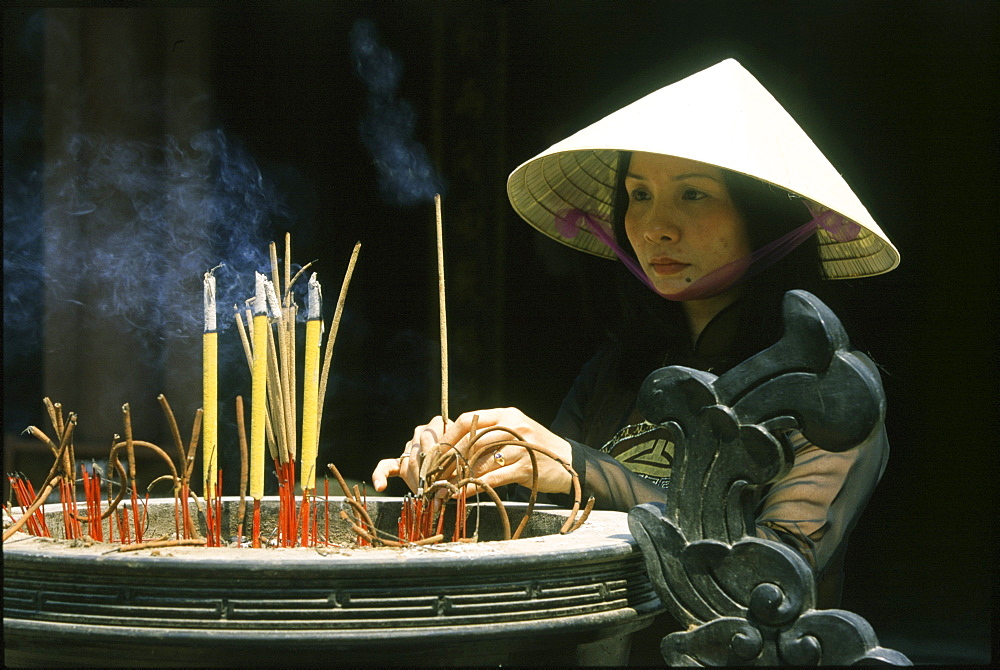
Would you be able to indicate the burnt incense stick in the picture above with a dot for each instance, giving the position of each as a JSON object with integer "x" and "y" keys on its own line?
{"x": 196, "y": 429}
{"x": 258, "y": 397}
{"x": 51, "y": 409}
{"x": 310, "y": 385}
{"x": 159, "y": 544}
{"x": 441, "y": 309}
{"x": 130, "y": 452}
{"x": 35, "y": 432}
{"x": 175, "y": 431}
{"x": 241, "y": 430}
{"x": 210, "y": 388}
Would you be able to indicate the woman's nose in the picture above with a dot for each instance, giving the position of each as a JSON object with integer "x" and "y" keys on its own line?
{"x": 662, "y": 225}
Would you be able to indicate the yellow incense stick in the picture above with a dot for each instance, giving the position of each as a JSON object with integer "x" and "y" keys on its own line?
{"x": 310, "y": 389}
{"x": 210, "y": 393}
{"x": 258, "y": 397}
{"x": 210, "y": 390}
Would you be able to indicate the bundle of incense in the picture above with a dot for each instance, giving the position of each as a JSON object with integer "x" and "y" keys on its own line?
{"x": 210, "y": 389}
{"x": 269, "y": 344}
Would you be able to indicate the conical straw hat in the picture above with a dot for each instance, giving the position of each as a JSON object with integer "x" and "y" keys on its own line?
{"x": 722, "y": 116}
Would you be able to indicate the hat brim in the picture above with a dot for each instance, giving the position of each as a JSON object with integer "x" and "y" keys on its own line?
{"x": 721, "y": 116}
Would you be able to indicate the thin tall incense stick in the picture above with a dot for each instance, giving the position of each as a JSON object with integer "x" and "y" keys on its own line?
{"x": 287, "y": 288}
{"x": 275, "y": 274}
{"x": 441, "y": 309}
{"x": 241, "y": 430}
{"x": 243, "y": 337}
{"x": 274, "y": 397}
{"x": 289, "y": 374}
{"x": 277, "y": 386}
{"x": 332, "y": 337}
{"x": 279, "y": 359}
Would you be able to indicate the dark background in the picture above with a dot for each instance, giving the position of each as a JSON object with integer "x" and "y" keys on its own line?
{"x": 902, "y": 97}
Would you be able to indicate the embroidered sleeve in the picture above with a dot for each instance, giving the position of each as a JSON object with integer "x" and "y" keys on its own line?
{"x": 613, "y": 485}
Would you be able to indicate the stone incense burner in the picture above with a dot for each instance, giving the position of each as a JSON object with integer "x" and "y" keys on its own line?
{"x": 544, "y": 599}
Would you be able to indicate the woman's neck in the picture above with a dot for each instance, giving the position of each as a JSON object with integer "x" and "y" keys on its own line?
{"x": 700, "y": 312}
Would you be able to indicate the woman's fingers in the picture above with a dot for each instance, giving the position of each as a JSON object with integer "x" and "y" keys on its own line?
{"x": 387, "y": 467}
{"x": 420, "y": 448}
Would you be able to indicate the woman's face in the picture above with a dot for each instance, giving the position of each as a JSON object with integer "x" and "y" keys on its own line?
{"x": 681, "y": 220}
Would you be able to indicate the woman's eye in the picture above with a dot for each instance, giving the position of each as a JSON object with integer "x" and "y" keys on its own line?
{"x": 640, "y": 194}
{"x": 693, "y": 194}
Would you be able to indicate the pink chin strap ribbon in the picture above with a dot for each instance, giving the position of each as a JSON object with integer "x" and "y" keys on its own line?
{"x": 570, "y": 222}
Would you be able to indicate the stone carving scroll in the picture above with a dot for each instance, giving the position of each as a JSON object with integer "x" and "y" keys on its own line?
{"x": 746, "y": 600}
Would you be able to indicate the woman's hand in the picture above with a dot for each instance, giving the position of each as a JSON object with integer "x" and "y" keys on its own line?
{"x": 424, "y": 442}
{"x": 492, "y": 461}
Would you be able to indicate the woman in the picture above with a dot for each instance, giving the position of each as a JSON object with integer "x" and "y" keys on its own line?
{"x": 662, "y": 184}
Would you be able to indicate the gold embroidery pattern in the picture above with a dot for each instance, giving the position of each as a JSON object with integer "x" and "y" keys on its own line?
{"x": 645, "y": 449}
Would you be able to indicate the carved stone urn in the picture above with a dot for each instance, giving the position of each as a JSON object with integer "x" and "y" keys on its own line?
{"x": 545, "y": 599}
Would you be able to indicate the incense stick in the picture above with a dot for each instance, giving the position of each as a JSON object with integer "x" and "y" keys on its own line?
{"x": 278, "y": 389}
{"x": 130, "y": 451}
{"x": 288, "y": 264}
{"x": 210, "y": 389}
{"x": 246, "y": 335}
{"x": 275, "y": 405}
{"x": 310, "y": 386}
{"x": 34, "y": 506}
{"x": 332, "y": 337}
{"x": 441, "y": 310}
{"x": 241, "y": 430}
{"x": 258, "y": 398}
{"x": 288, "y": 375}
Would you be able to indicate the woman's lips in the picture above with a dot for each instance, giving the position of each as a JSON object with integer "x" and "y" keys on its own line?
{"x": 667, "y": 266}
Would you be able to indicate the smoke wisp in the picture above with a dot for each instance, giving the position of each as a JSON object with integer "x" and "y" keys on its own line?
{"x": 406, "y": 176}
{"x": 130, "y": 226}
